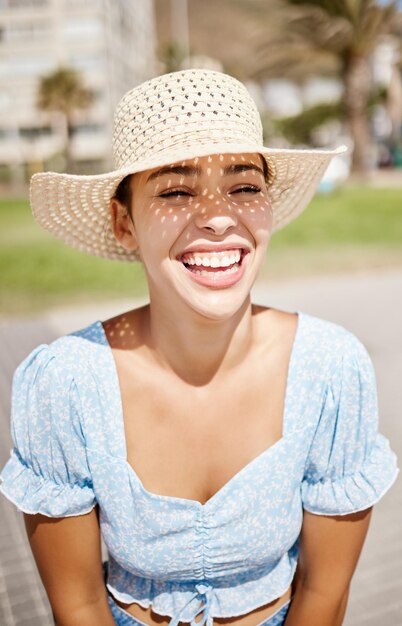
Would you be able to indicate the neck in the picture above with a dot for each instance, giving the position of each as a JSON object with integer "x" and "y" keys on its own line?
{"x": 195, "y": 348}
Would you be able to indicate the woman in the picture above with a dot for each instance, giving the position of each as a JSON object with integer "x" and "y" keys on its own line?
{"x": 214, "y": 444}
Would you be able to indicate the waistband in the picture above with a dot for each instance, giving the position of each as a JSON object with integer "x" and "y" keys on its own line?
{"x": 204, "y": 592}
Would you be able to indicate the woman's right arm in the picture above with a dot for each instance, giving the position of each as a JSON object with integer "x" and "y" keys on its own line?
{"x": 48, "y": 477}
{"x": 67, "y": 552}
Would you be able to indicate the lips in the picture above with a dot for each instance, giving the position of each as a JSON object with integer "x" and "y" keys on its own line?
{"x": 215, "y": 265}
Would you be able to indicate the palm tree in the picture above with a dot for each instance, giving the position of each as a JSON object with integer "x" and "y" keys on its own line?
{"x": 63, "y": 91}
{"x": 338, "y": 36}
{"x": 172, "y": 56}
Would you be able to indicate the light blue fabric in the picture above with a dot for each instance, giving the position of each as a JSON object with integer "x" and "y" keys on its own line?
{"x": 239, "y": 550}
{"x": 123, "y": 618}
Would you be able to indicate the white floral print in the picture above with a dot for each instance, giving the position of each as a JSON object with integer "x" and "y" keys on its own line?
{"x": 237, "y": 551}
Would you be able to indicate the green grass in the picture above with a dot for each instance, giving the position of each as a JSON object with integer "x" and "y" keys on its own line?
{"x": 38, "y": 271}
{"x": 351, "y": 229}
{"x": 354, "y": 216}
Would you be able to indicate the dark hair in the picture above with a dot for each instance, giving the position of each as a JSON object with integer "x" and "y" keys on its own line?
{"x": 124, "y": 194}
{"x": 266, "y": 170}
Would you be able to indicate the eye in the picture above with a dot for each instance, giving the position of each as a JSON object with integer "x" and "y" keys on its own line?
{"x": 247, "y": 189}
{"x": 175, "y": 193}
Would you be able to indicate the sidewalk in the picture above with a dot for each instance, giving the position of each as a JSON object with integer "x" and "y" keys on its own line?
{"x": 386, "y": 178}
{"x": 369, "y": 304}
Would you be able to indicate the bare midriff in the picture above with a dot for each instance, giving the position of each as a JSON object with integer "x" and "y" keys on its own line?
{"x": 147, "y": 616}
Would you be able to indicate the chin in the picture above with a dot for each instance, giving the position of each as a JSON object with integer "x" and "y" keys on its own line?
{"x": 219, "y": 306}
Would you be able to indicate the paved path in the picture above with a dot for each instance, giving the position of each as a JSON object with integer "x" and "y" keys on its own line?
{"x": 370, "y": 305}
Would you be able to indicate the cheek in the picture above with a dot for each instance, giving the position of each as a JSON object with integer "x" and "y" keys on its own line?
{"x": 257, "y": 215}
{"x": 161, "y": 223}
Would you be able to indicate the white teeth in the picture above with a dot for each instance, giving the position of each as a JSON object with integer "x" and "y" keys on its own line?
{"x": 231, "y": 270}
{"x": 220, "y": 259}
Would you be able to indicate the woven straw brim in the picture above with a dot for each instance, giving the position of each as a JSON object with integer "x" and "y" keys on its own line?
{"x": 75, "y": 208}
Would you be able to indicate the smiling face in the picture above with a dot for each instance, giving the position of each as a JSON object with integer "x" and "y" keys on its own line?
{"x": 202, "y": 227}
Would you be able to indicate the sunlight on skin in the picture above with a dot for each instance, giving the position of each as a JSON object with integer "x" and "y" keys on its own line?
{"x": 213, "y": 200}
{"x": 119, "y": 332}
{"x": 204, "y": 192}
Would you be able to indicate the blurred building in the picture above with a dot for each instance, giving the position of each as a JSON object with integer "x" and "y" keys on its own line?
{"x": 285, "y": 97}
{"x": 110, "y": 42}
{"x": 387, "y": 73}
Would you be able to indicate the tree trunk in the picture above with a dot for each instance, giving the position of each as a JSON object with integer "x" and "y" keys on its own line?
{"x": 357, "y": 85}
{"x": 394, "y": 105}
{"x": 70, "y": 163}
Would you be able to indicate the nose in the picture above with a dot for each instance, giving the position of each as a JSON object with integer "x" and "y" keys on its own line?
{"x": 217, "y": 220}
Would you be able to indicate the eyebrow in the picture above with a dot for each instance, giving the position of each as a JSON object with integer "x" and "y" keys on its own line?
{"x": 235, "y": 168}
{"x": 182, "y": 170}
{"x": 187, "y": 170}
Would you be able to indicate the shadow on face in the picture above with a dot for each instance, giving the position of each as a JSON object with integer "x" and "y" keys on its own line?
{"x": 210, "y": 194}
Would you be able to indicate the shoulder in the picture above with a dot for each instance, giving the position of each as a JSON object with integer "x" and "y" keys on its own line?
{"x": 88, "y": 338}
{"x": 316, "y": 334}
{"x": 57, "y": 384}
{"x": 319, "y": 343}
{"x": 329, "y": 336}
{"x": 61, "y": 358}
{"x": 348, "y": 363}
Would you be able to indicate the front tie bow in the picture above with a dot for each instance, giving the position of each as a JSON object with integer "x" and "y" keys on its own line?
{"x": 203, "y": 591}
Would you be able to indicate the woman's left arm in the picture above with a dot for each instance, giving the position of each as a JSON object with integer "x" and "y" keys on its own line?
{"x": 349, "y": 467}
{"x": 330, "y": 547}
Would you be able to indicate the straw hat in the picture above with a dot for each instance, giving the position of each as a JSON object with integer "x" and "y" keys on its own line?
{"x": 171, "y": 118}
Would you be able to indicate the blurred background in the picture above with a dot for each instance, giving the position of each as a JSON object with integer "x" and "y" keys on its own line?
{"x": 323, "y": 73}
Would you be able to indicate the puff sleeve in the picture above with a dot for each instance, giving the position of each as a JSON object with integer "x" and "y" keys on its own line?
{"x": 350, "y": 464}
{"x": 47, "y": 471}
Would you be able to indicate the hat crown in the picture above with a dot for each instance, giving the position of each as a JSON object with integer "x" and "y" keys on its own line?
{"x": 169, "y": 119}
{"x": 180, "y": 110}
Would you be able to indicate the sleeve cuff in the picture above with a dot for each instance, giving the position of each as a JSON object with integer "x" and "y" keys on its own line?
{"x": 357, "y": 491}
{"x": 33, "y": 494}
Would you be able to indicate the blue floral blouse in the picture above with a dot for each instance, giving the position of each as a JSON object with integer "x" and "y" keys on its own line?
{"x": 239, "y": 550}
